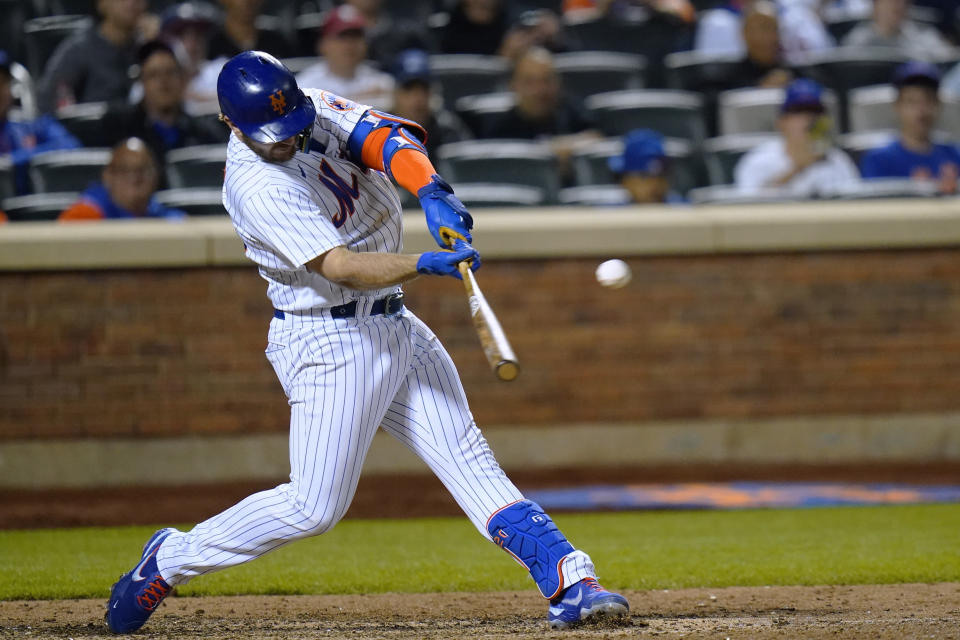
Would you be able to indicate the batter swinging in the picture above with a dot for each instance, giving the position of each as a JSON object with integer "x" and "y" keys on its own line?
{"x": 308, "y": 189}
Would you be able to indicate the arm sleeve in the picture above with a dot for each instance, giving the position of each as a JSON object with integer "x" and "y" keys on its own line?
{"x": 749, "y": 175}
{"x": 291, "y": 223}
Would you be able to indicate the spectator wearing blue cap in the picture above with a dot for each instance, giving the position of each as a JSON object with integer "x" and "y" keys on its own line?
{"x": 413, "y": 99}
{"x": 23, "y": 139}
{"x": 643, "y": 168}
{"x": 802, "y": 161}
{"x": 914, "y": 154}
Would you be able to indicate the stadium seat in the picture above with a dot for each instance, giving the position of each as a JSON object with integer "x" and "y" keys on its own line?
{"x": 306, "y": 29}
{"x": 890, "y": 188}
{"x": 585, "y": 73}
{"x": 480, "y": 112}
{"x": 723, "y": 153}
{"x": 695, "y": 70}
{"x": 675, "y": 114}
{"x": 652, "y": 38}
{"x": 76, "y": 7}
{"x": 609, "y": 195}
{"x": 199, "y": 166}
{"x": 462, "y": 75}
{"x": 522, "y": 162}
{"x": 488, "y": 194}
{"x": 23, "y": 93}
{"x": 872, "y": 108}
{"x": 729, "y": 194}
{"x": 38, "y": 206}
{"x": 84, "y": 121}
{"x": 67, "y": 169}
{"x": 196, "y": 202}
{"x": 591, "y": 168}
{"x": 846, "y": 68}
{"x": 42, "y": 35}
{"x": 756, "y": 110}
{"x": 8, "y": 185}
{"x": 299, "y": 63}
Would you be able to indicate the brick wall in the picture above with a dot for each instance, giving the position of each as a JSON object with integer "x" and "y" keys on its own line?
{"x": 171, "y": 352}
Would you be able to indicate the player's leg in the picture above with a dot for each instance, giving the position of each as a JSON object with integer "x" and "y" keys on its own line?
{"x": 430, "y": 415}
{"x": 339, "y": 388}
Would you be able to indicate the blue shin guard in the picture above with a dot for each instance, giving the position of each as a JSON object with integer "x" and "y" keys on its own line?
{"x": 529, "y": 535}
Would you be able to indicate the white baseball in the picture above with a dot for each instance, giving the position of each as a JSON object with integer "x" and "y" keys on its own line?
{"x": 614, "y": 274}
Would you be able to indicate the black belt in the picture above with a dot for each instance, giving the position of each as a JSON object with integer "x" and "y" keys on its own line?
{"x": 389, "y": 306}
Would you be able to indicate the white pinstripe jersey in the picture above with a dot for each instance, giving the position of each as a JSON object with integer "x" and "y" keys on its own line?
{"x": 289, "y": 213}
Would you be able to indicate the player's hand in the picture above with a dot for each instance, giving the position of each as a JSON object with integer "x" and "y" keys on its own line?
{"x": 445, "y": 262}
{"x": 447, "y": 218}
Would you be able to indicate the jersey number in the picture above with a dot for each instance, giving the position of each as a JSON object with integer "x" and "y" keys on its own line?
{"x": 346, "y": 193}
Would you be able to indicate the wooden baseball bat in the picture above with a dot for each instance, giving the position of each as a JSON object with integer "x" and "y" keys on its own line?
{"x": 492, "y": 338}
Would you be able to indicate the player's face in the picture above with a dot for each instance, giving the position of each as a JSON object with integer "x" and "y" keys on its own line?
{"x": 918, "y": 109}
{"x": 273, "y": 151}
{"x": 269, "y": 151}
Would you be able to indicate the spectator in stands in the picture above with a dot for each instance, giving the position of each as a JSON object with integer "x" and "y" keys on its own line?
{"x": 3, "y": 217}
{"x": 95, "y": 65}
{"x": 186, "y": 27}
{"x": 159, "y": 119}
{"x": 387, "y": 35}
{"x": 891, "y": 27}
{"x": 342, "y": 70}
{"x": 475, "y": 26}
{"x": 914, "y": 154}
{"x": 802, "y": 162}
{"x": 412, "y": 97}
{"x": 541, "y": 110}
{"x": 534, "y": 28}
{"x": 239, "y": 32}
{"x": 682, "y": 10}
{"x": 643, "y": 169}
{"x": 763, "y": 65}
{"x": 129, "y": 182}
{"x": 801, "y": 29}
{"x": 23, "y": 139}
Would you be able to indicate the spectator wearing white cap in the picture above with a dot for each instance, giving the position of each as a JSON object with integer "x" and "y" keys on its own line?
{"x": 343, "y": 70}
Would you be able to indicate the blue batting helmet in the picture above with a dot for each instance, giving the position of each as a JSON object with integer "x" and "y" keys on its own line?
{"x": 260, "y": 95}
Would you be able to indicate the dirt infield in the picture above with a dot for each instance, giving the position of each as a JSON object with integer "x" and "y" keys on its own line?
{"x": 876, "y": 612}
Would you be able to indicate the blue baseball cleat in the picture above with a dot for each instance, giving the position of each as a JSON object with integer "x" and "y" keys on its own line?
{"x": 138, "y": 593}
{"x": 586, "y": 600}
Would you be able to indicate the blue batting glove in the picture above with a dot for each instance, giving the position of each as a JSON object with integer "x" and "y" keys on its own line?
{"x": 447, "y": 218}
{"x": 445, "y": 261}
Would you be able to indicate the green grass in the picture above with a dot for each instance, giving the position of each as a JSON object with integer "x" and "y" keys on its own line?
{"x": 661, "y": 550}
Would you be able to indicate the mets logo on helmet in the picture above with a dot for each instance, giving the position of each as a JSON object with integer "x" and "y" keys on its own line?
{"x": 277, "y": 101}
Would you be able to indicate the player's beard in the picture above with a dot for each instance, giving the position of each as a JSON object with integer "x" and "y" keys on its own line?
{"x": 273, "y": 151}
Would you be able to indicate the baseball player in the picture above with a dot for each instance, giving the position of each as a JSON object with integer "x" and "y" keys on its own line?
{"x": 308, "y": 188}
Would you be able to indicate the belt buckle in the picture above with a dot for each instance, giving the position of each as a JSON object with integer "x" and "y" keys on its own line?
{"x": 393, "y": 304}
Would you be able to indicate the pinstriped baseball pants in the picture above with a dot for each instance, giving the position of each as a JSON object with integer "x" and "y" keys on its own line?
{"x": 344, "y": 379}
